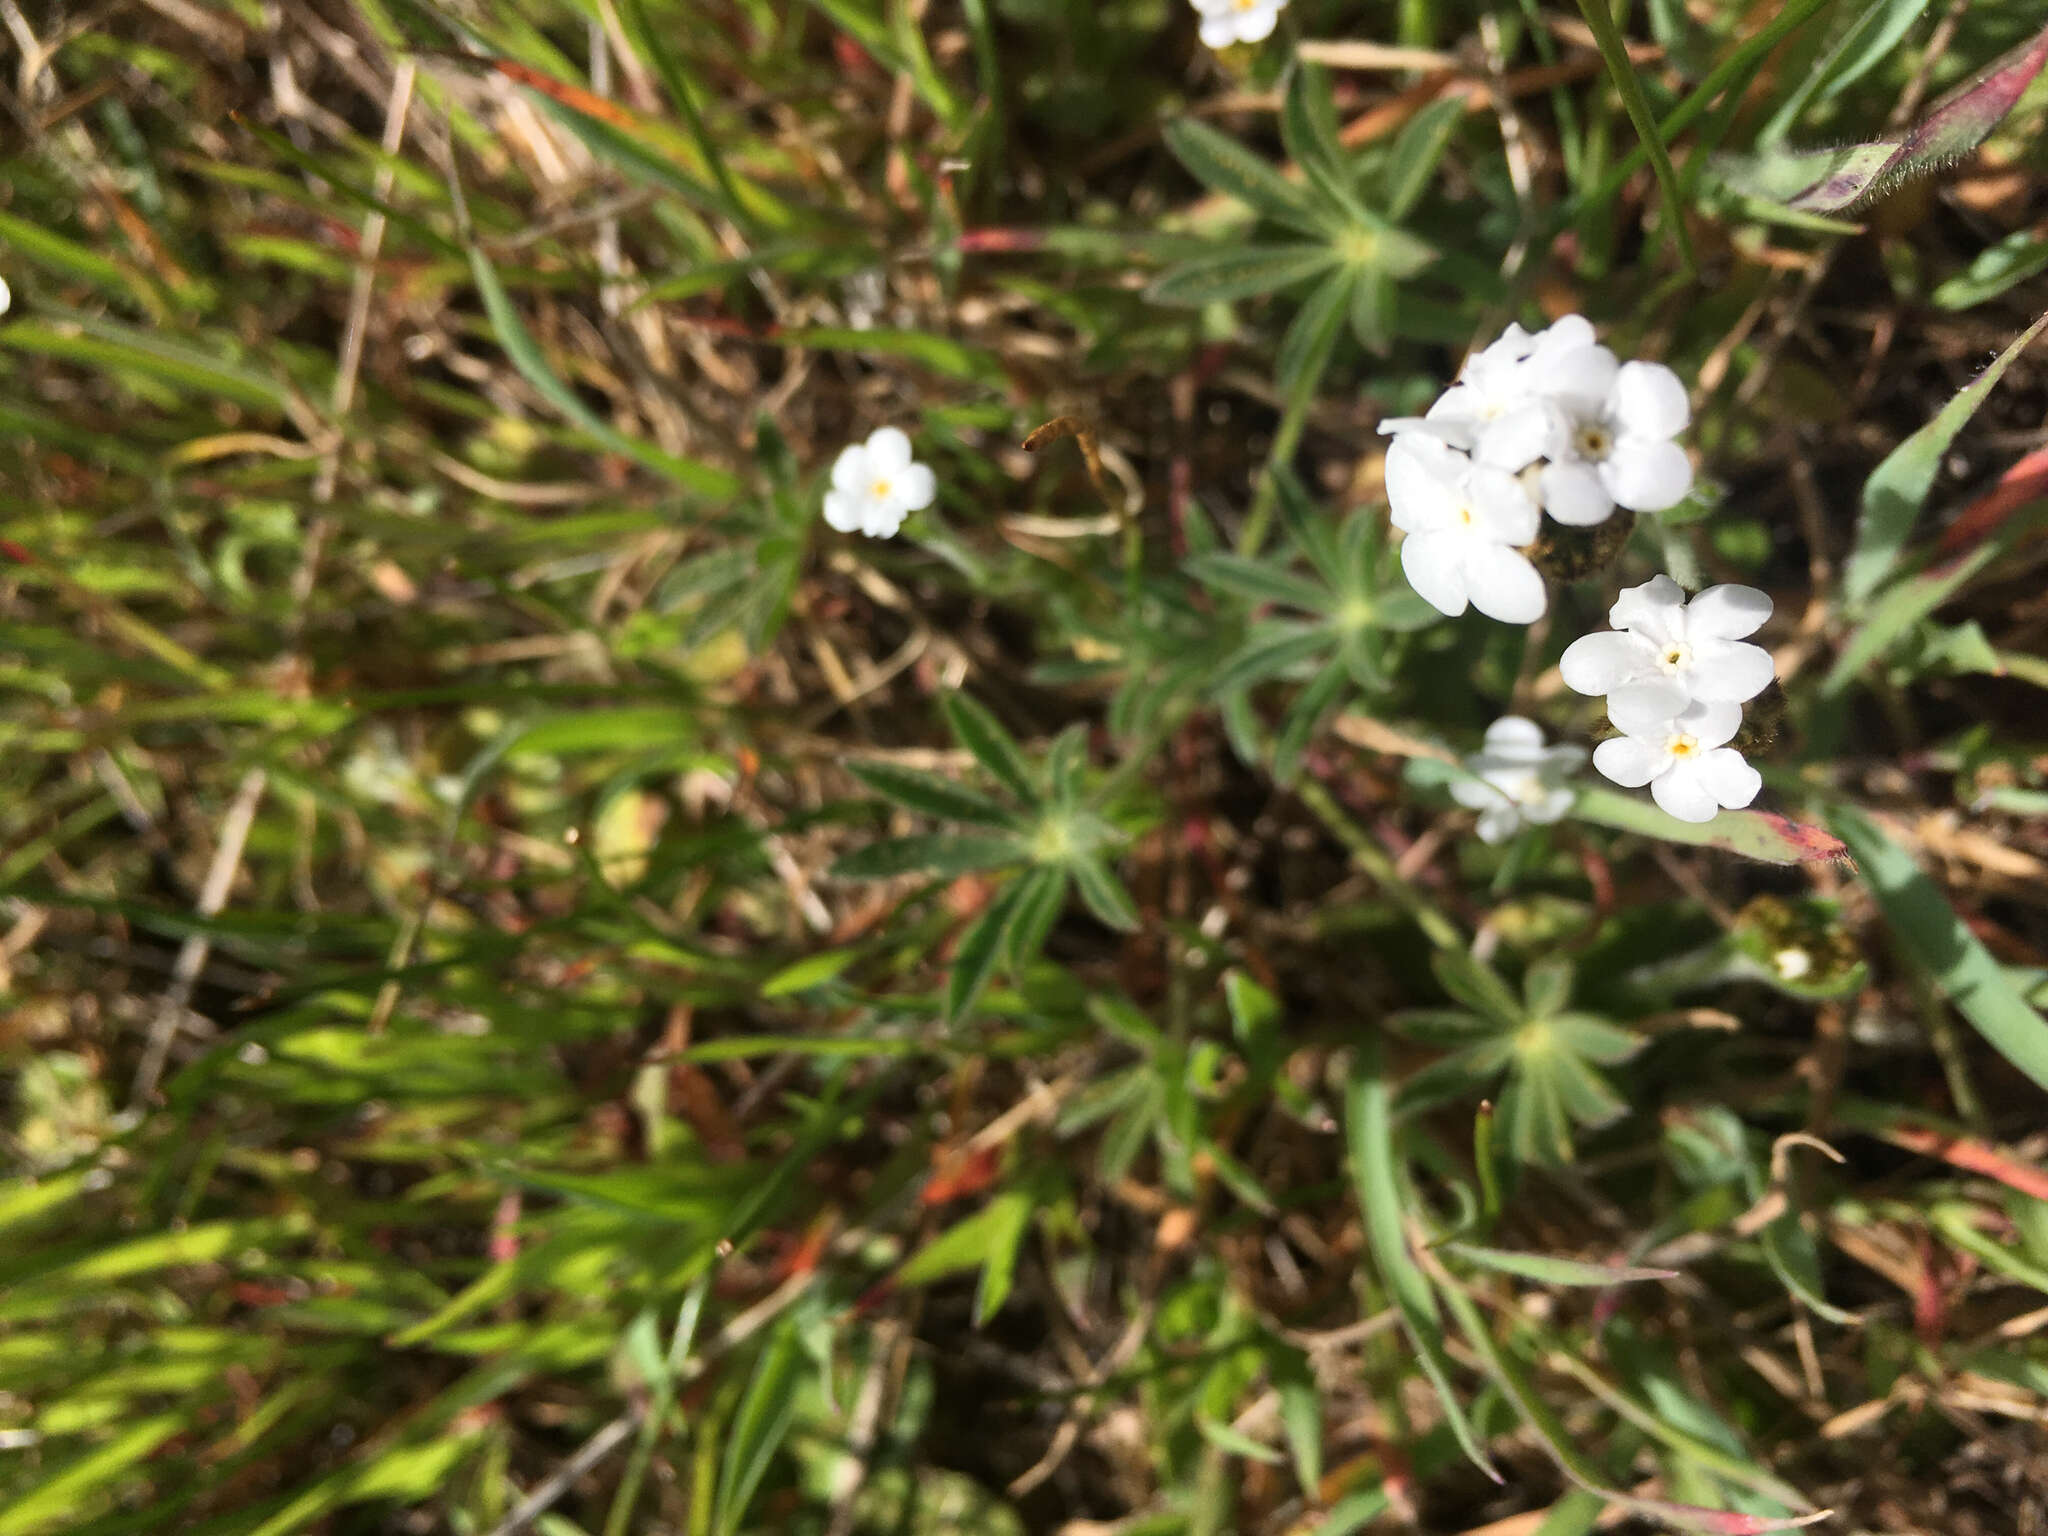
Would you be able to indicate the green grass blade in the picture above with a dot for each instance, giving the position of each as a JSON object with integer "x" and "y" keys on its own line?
{"x": 1614, "y": 52}
{"x": 1935, "y": 938}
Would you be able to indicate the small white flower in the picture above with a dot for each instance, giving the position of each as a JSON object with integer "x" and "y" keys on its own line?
{"x": 1614, "y": 431}
{"x": 1684, "y": 758}
{"x": 6, "y": 296}
{"x": 1516, "y": 779}
{"x": 1238, "y": 21}
{"x": 1497, "y": 411}
{"x": 1792, "y": 964}
{"x": 1666, "y": 652}
{"x": 1463, "y": 522}
{"x": 876, "y": 484}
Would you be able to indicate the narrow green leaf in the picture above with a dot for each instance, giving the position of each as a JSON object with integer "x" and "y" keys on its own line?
{"x": 1105, "y": 895}
{"x": 533, "y": 365}
{"x": 758, "y": 1427}
{"x": 1261, "y": 581}
{"x": 1760, "y": 835}
{"x": 1270, "y": 649}
{"x": 1554, "y": 1271}
{"x": 1306, "y": 347}
{"x": 993, "y": 747}
{"x": 1899, "y": 610}
{"x": 1222, "y": 164}
{"x": 1369, "y": 1124}
{"x": 1614, "y": 53}
{"x": 938, "y": 853}
{"x": 1240, "y": 272}
{"x": 63, "y": 1499}
{"x": 1897, "y": 489}
{"x": 1308, "y": 129}
{"x": 932, "y": 795}
{"x": 1039, "y": 904}
{"x": 1935, "y": 938}
{"x": 1418, "y": 150}
{"x": 811, "y": 971}
{"x": 1235, "y": 1442}
{"x": 975, "y": 960}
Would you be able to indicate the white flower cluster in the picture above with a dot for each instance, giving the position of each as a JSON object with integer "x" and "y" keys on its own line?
{"x": 1238, "y": 21}
{"x": 1550, "y": 422}
{"x": 1676, "y": 675}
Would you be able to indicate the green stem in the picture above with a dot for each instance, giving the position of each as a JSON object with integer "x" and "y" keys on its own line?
{"x": 1614, "y": 50}
{"x": 1369, "y": 856}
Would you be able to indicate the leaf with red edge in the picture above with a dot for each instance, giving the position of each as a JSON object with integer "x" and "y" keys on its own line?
{"x": 1763, "y": 835}
{"x": 1833, "y": 180}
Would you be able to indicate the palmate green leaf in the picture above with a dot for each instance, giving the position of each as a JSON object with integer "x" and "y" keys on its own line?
{"x": 1260, "y": 581}
{"x": 1369, "y": 1128}
{"x": 758, "y": 1426}
{"x": 1240, "y": 272}
{"x": 936, "y": 853}
{"x": 1308, "y": 711}
{"x": 1897, "y": 489}
{"x": 993, "y": 747}
{"x": 1935, "y": 937}
{"x": 1223, "y": 165}
{"x": 932, "y": 795}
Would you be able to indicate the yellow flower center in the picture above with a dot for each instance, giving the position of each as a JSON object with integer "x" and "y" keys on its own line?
{"x": 1593, "y": 442}
{"x": 1247, "y": 5}
{"x": 879, "y": 490}
{"x": 1683, "y": 745}
{"x": 1465, "y": 517}
{"x": 1676, "y": 655}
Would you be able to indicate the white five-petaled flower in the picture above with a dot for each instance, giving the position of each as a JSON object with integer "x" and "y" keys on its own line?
{"x": 1516, "y": 779}
{"x": 1612, "y": 434}
{"x": 876, "y": 484}
{"x": 1463, "y": 521}
{"x": 1665, "y": 652}
{"x": 1685, "y": 758}
{"x": 1238, "y": 21}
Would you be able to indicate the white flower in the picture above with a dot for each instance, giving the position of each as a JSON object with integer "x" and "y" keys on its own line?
{"x": 1238, "y": 21}
{"x": 1666, "y": 652}
{"x": 1516, "y": 779}
{"x": 1684, "y": 758}
{"x": 6, "y": 296}
{"x": 876, "y": 484}
{"x": 1614, "y": 429}
{"x": 1463, "y": 521}
{"x": 1497, "y": 411}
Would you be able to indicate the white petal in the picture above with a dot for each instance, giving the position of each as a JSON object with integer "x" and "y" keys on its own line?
{"x": 1655, "y": 609}
{"x": 1389, "y": 425}
{"x": 1475, "y": 794}
{"x": 1219, "y": 31}
{"x": 1498, "y": 824}
{"x": 883, "y": 519}
{"x": 1629, "y": 762}
{"x": 1649, "y": 400}
{"x": 1733, "y": 782}
{"x": 888, "y": 452}
{"x": 1519, "y": 437}
{"x": 1648, "y": 701}
{"x": 1456, "y": 415}
{"x": 850, "y": 469}
{"x": 1212, "y": 7}
{"x": 1684, "y": 793}
{"x": 1711, "y": 722}
{"x": 1422, "y": 475}
{"x": 1512, "y": 732}
{"x": 916, "y": 487}
{"x": 1729, "y": 670}
{"x": 1257, "y": 25}
{"x": 1502, "y": 509}
{"x": 843, "y": 510}
{"x": 1502, "y": 584}
{"x": 1727, "y": 612}
{"x": 1573, "y": 494}
{"x": 1577, "y": 377}
{"x": 1563, "y": 760}
{"x": 1646, "y": 474}
{"x": 1564, "y": 334}
{"x": 1648, "y": 712}
{"x": 1434, "y": 564}
{"x": 1598, "y": 664}
{"x": 1553, "y": 807}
